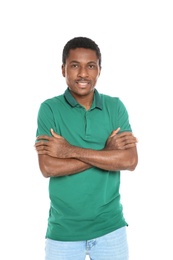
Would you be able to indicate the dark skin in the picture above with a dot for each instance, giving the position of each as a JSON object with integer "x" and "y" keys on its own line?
{"x": 57, "y": 157}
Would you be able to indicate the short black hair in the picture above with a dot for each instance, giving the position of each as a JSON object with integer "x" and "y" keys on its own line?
{"x": 80, "y": 42}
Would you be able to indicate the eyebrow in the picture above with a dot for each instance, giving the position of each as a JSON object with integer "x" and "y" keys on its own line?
{"x": 75, "y": 61}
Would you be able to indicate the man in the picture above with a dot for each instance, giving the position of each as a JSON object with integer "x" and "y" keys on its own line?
{"x": 84, "y": 140}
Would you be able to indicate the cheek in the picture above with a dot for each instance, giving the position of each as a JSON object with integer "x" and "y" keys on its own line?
{"x": 68, "y": 78}
{"x": 71, "y": 75}
{"x": 95, "y": 77}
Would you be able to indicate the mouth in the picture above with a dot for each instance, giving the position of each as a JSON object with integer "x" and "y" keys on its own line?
{"x": 82, "y": 83}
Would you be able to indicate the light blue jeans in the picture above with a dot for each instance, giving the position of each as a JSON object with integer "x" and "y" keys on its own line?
{"x": 112, "y": 246}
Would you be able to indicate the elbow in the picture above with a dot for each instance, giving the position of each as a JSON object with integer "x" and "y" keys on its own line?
{"x": 45, "y": 166}
{"x": 133, "y": 162}
{"x": 132, "y": 167}
{"x": 44, "y": 172}
{"x": 48, "y": 171}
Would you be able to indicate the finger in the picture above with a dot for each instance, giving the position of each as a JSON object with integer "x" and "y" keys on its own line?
{"x": 115, "y": 132}
{"x": 40, "y": 151}
{"x": 130, "y": 145}
{"x": 41, "y": 144}
{"x": 128, "y": 141}
{"x": 119, "y": 138}
{"x": 43, "y": 137}
{"x": 130, "y": 138}
{"x": 125, "y": 134}
{"x": 54, "y": 134}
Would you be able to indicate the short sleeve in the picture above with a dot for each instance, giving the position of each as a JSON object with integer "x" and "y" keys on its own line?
{"x": 123, "y": 117}
{"x": 45, "y": 120}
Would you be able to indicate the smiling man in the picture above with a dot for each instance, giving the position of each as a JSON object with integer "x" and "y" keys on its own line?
{"x": 84, "y": 141}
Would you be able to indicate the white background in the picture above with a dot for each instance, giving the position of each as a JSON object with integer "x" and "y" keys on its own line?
{"x": 136, "y": 41}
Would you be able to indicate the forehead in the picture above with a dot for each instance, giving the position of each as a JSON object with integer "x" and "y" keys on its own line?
{"x": 82, "y": 54}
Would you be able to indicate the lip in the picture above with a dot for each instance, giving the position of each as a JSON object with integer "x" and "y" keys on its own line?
{"x": 82, "y": 81}
{"x": 82, "y": 84}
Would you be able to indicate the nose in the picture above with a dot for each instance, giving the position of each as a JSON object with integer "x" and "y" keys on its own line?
{"x": 83, "y": 72}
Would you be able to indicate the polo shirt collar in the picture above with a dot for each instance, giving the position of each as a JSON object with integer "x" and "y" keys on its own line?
{"x": 72, "y": 101}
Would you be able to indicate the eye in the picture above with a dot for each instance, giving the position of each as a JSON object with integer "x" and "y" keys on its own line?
{"x": 91, "y": 66}
{"x": 74, "y": 65}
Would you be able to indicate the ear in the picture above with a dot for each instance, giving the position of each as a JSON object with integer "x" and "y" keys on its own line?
{"x": 63, "y": 70}
{"x": 100, "y": 70}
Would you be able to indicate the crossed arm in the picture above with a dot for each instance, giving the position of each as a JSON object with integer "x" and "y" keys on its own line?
{"x": 57, "y": 157}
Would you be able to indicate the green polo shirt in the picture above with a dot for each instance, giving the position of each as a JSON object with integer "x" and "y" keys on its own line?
{"x": 85, "y": 205}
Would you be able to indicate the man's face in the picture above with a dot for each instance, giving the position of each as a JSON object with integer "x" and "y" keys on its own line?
{"x": 81, "y": 71}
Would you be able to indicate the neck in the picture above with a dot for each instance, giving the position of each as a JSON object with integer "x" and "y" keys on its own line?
{"x": 85, "y": 100}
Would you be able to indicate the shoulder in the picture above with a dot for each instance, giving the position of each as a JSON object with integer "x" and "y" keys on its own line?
{"x": 50, "y": 105}
{"x": 111, "y": 100}
{"x": 113, "y": 104}
{"x": 53, "y": 100}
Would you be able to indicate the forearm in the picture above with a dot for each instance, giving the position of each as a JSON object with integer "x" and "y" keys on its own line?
{"x": 57, "y": 157}
{"x": 111, "y": 160}
{"x": 54, "y": 167}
